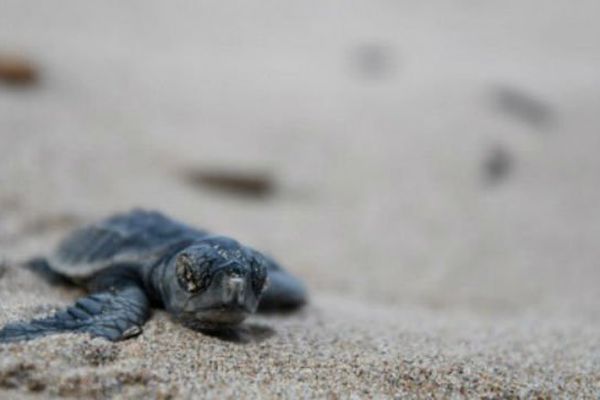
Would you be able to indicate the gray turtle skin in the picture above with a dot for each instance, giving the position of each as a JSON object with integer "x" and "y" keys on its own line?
{"x": 132, "y": 262}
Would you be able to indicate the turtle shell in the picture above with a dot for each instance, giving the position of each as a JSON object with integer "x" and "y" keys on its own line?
{"x": 137, "y": 237}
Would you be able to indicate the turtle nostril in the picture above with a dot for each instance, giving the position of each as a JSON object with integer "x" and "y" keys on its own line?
{"x": 235, "y": 271}
{"x": 231, "y": 268}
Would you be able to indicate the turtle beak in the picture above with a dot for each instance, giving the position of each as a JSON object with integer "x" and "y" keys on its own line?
{"x": 234, "y": 290}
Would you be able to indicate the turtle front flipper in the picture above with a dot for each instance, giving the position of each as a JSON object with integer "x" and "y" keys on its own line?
{"x": 115, "y": 315}
{"x": 284, "y": 292}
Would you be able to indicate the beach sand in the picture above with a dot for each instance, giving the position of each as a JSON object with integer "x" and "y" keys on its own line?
{"x": 435, "y": 183}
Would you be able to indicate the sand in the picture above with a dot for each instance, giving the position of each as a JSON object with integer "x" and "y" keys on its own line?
{"x": 435, "y": 168}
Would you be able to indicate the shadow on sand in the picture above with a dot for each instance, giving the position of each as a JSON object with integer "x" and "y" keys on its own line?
{"x": 247, "y": 333}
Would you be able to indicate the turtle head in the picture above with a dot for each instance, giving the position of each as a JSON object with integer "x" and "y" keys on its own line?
{"x": 214, "y": 283}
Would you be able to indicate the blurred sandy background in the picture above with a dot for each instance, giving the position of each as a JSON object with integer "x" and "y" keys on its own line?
{"x": 435, "y": 170}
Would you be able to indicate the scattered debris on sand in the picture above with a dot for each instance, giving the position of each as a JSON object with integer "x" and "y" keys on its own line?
{"x": 243, "y": 183}
{"x": 524, "y": 107}
{"x": 497, "y": 165}
{"x": 17, "y": 71}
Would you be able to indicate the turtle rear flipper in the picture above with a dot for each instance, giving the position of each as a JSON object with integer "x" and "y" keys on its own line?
{"x": 113, "y": 314}
{"x": 42, "y": 268}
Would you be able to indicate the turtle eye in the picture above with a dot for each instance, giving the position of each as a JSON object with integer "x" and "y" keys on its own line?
{"x": 205, "y": 275}
{"x": 259, "y": 276}
{"x": 193, "y": 274}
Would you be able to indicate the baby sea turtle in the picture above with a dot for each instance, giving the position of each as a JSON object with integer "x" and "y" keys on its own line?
{"x": 131, "y": 262}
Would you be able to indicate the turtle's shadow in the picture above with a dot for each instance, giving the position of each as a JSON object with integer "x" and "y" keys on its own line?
{"x": 247, "y": 333}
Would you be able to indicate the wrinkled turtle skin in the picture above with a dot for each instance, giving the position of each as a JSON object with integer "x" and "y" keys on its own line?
{"x": 134, "y": 261}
